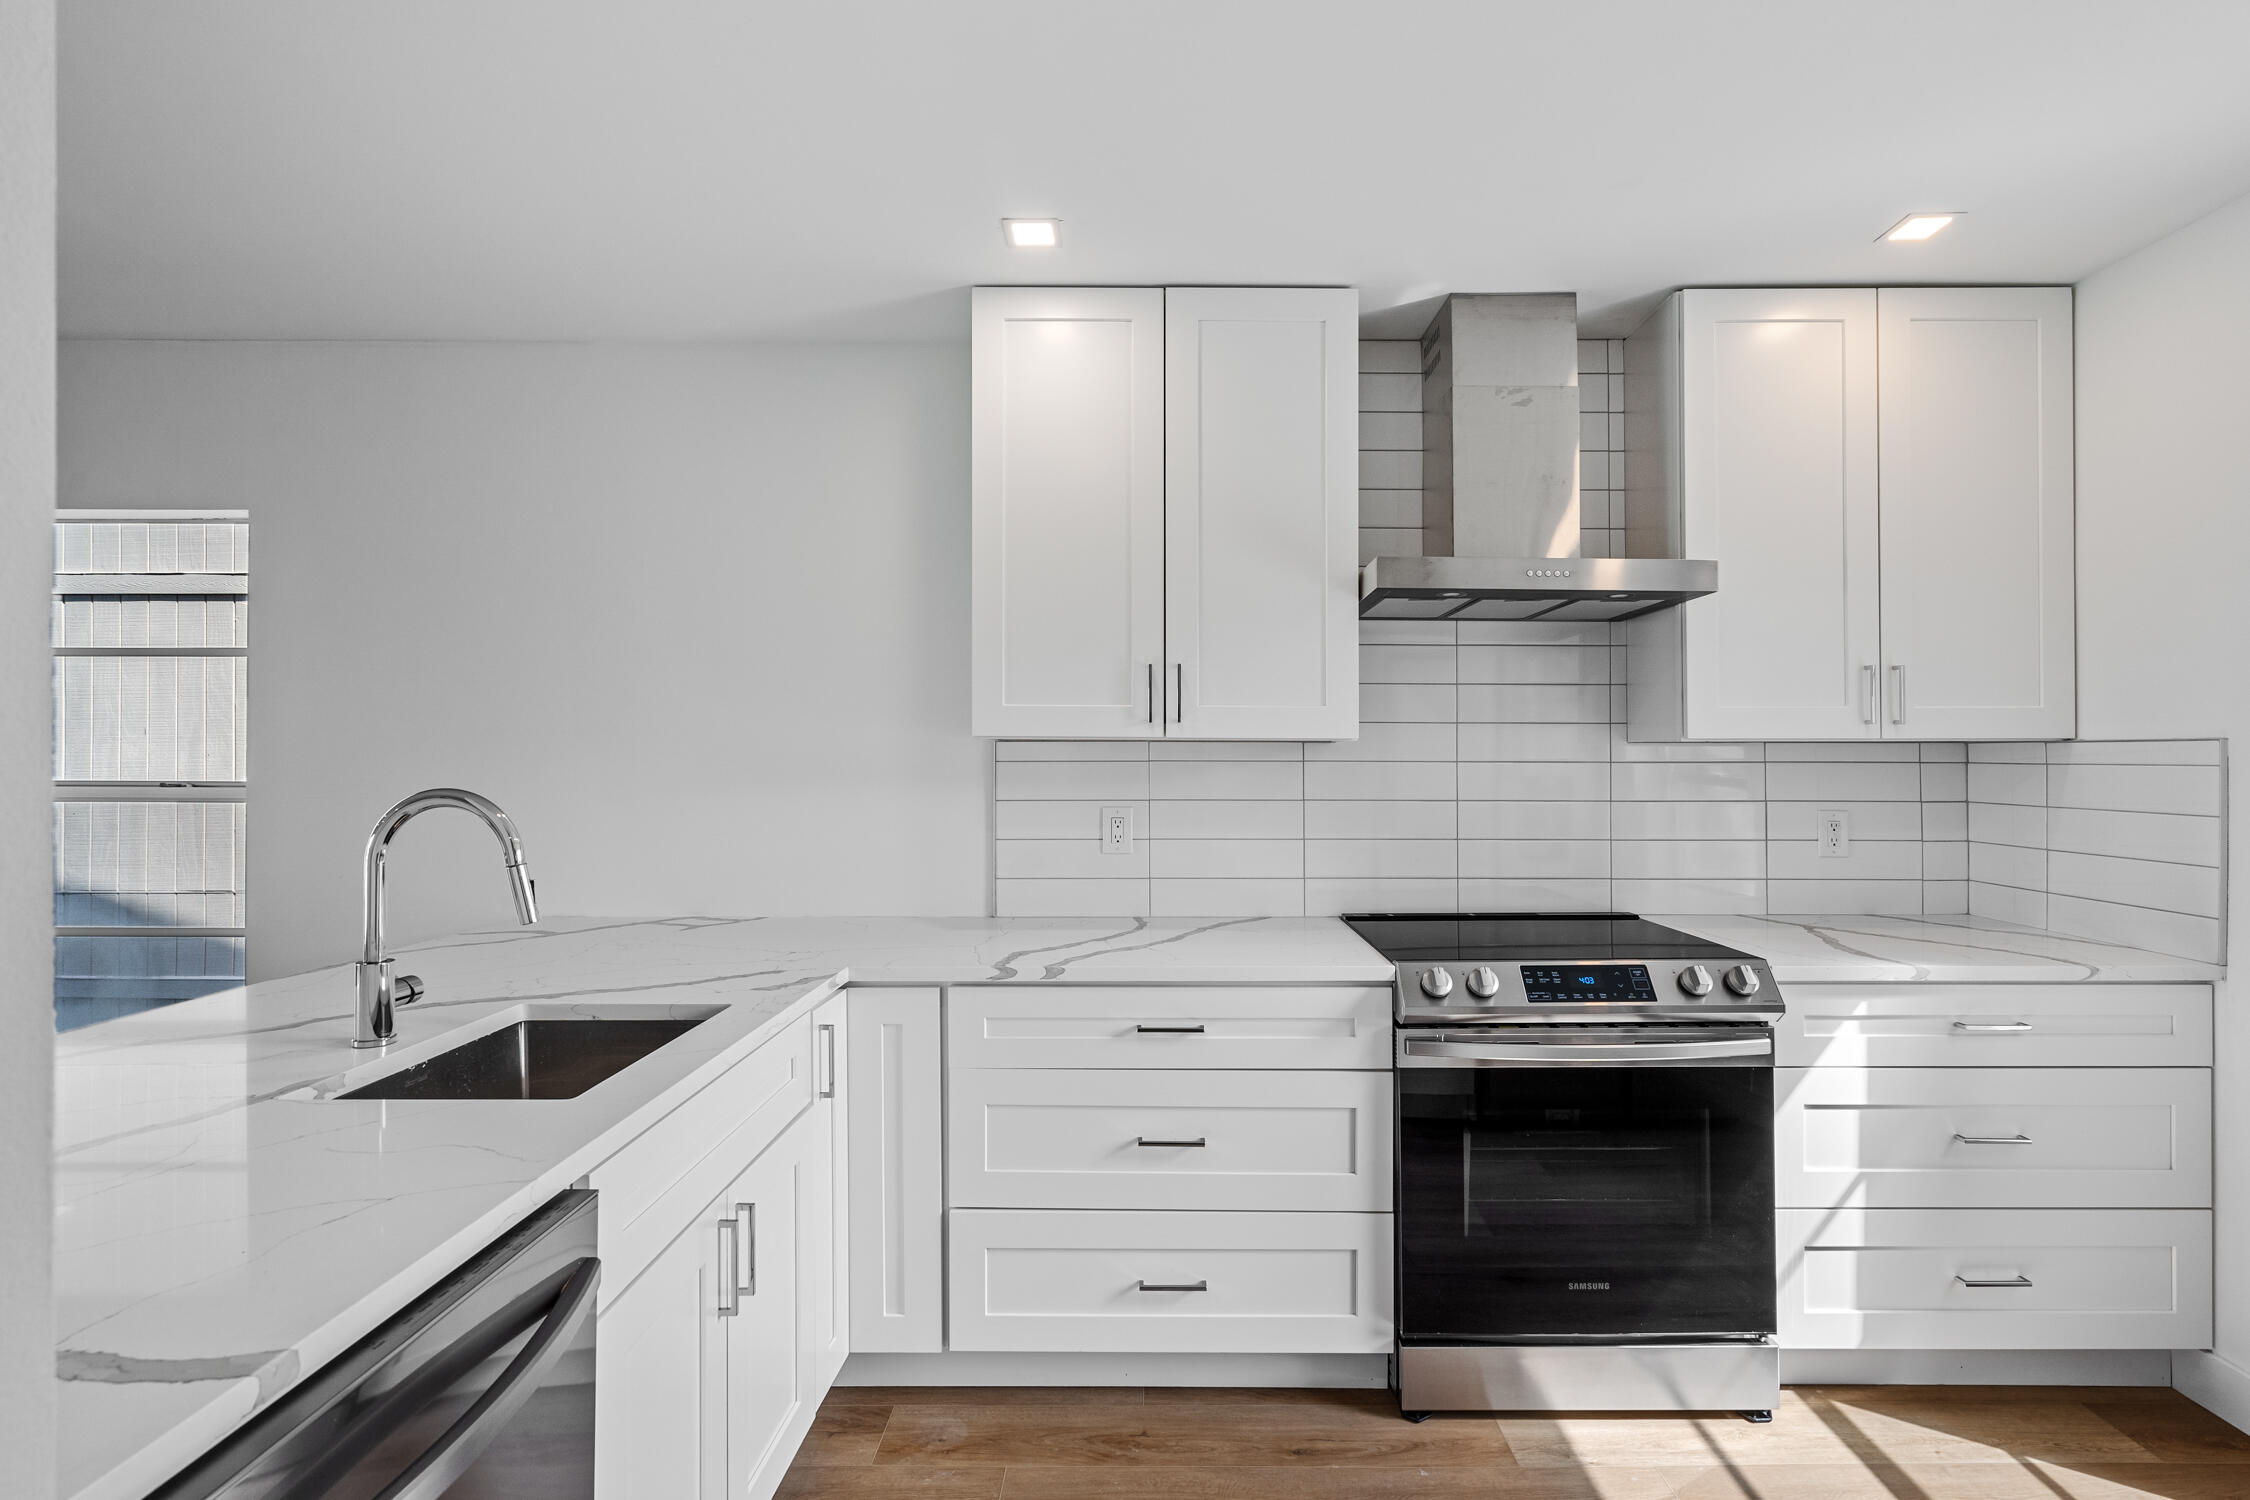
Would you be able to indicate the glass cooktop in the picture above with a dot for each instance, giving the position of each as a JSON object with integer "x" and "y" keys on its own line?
{"x": 1511, "y": 937}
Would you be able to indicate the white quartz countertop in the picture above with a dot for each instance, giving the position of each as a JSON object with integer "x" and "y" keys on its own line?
{"x": 221, "y": 1229}
{"x": 1968, "y": 950}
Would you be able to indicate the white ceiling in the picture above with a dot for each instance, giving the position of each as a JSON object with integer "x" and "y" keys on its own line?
{"x": 692, "y": 169}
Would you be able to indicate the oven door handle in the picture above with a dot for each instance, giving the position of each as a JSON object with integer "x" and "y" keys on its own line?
{"x": 1628, "y": 1053}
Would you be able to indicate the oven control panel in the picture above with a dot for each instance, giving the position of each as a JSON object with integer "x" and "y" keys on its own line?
{"x": 1456, "y": 992}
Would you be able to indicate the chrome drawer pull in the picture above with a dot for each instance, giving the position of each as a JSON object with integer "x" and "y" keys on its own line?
{"x": 1991, "y": 1025}
{"x": 1171, "y": 1030}
{"x": 2012, "y": 1281}
{"x": 1171, "y": 1286}
{"x": 1142, "y": 1140}
{"x": 1992, "y": 1140}
{"x": 730, "y": 1288}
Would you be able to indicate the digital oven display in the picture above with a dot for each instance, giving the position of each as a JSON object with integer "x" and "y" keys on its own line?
{"x": 1558, "y": 985}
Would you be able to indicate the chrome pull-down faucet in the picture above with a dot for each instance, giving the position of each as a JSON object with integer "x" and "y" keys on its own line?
{"x": 381, "y": 991}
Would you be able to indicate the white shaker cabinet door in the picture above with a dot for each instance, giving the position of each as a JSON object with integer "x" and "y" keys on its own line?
{"x": 1261, "y": 399}
{"x": 894, "y": 1097}
{"x": 1067, "y": 501}
{"x": 1778, "y": 482}
{"x": 1977, "y": 513}
{"x": 827, "y": 1272}
{"x": 660, "y": 1418}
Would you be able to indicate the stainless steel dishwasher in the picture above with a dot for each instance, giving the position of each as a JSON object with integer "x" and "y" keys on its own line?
{"x": 482, "y": 1389}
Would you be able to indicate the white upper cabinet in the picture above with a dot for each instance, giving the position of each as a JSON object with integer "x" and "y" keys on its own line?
{"x": 1261, "y": 498}
{"x": 1977, "y": 509}
{"x": 1067, "y": 480}
{"x": 1165, "y": 492}
{"x": 1884, "y": 478}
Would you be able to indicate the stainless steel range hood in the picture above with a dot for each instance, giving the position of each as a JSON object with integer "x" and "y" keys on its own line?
{"x": 1500, "y": 482}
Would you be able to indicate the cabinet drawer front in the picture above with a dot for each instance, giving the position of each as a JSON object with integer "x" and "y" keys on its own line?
{"x": 1170, "y": 1282}
{"x": 1993, "y": 1137}
{"x": 666, "y": 1174}
{"x": 1996, "y": 1025}
{"x": 1151, "y": 1026}
{"x": 1303, "y": 1141}
{"x": 1898, "y": 1279}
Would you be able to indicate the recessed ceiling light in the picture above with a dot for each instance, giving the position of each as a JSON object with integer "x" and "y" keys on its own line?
{"x": 1031, "y": 234}
{"x": 1918, "y": 226}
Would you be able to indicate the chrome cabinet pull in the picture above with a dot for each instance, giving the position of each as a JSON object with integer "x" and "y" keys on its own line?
{"x": 1152, "y": 692}
{"x": 1142, "y": 1140}
{"x": 1988, "y": 1026}
{"x": 828, "y": 1061}
{"x": 2012, "y": 1281}
{"x": 1867, "y": 693}
{"x": 746, "y": 1240}
{"x": 1195, "y": 1030}
{"x": 1179, "y": 692}
{"x": 730, "y": 1288}
{"x": 1898, "y": 695}
{"x": 1171, "y": 1286}
{"x": 1992, "y": 1140}
{"x": 1471, "y": 1053}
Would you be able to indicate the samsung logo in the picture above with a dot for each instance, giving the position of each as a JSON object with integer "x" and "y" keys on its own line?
{"x": 1589, "y": 1286}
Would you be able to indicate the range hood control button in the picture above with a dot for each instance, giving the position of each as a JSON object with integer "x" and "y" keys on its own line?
{"x": 1436, "y": 983}
{"x": 1483, "y": 983}
{"x": 1742, "y": 980}
{"x": 1695, "y": 980}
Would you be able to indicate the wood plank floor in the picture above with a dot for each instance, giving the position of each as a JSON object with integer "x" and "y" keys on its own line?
{"x": 1825, "y": 1443}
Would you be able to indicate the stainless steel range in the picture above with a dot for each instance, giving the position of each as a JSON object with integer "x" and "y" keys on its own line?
{"x": 1585, "y": 1165}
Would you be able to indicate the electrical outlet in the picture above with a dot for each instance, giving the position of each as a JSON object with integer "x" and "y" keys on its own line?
{"x": 1117, "y": 830}
{"x": 1835, "y": 835}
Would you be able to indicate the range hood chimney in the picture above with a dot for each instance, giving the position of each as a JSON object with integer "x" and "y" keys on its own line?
{"x": 1500, "y": 481}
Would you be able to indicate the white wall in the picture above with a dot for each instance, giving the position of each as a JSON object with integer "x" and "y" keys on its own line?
{"x": 2163, "y": 538}
{"x": 27, "y": 480}
{"x": 696, "y": 615}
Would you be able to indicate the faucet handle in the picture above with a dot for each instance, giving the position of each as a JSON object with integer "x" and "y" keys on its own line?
{"x": 406, "y": 989}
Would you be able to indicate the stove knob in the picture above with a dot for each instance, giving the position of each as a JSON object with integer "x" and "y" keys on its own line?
{"x": 1483, "y": 983}
{"x": 1436, "y": 983}
{"x": 1742, "y": 980}
{"x": 1695, "y": 980}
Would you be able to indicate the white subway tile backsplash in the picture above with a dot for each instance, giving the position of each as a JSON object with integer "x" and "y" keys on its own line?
{"x": 1226, "y": 750}
{"x": 2008, "y": 864}
{"x": 1390, "y": 470}
{"x": 2153, "y": 789}
{"x": 1405, "y": 633}
{"x": 1945, "y": 822}
{"x": 2025, "y": 786}
{"x": 1745, "y": 897}
{"x": 1534, "y": 820}
{"x": 1688, "y": 859}
{"x": 1073, "y": 750}
{"x": 1406, "y": 663}
{"x": 1579, "y": 742}
{"x": 1537, "y": 895}
{"x": 1388, "y": 742}
{"x": 1858, "y": 750}
{"x": 1228, "y": 859}
{"x": 1370, "y": 859}
{"x": 1382, "y": 820}
{"x": 2181, "y": 839}
{"x": 1945, "y": 898}
{"x": 1226, "y": 898}
{"x": 1999, "y": 753}
{"x": 1534, "y": 859}
{"x": 1535, "y": 633}
{"x": 1073, "y": 898}
{"x": 1067, "y": 859}
{"x": 1687, "y": 781}
{"x": 1391, "y": 357}
{"x": 1413, "y": 781}
{"x": 1328, "y": 898}
{"x": 1689, "y": 820}
{"x": 1801, "y": 859}
{"x": 2008, "y": 823}
{"x": 1945, "y": 861}
{"x": 1389, "y": 391}
{"x": 1945, "y": 781}
{"x": 1868, "y": 820}
{"x": 2007, "y": 903}
{"x": 1533, "y": 664}
{"x": 1520, "y": 780}
{"x": 1073, "y": 780}
{"x": 1390, "y": 430}
{"x": 1952, "y": 754}
{"x": 1222, "y": 818}
{"x": 1850, "y": 781}
{"x": 1059, "y": 820}
{"x": 1520, "y": 703}
{"x": 1389, "y": 541}
{"x": 1878, "y": 898}
{"x": 2134, "y": 752}
{"x": 2139, "y": 927}
{"x": 2190, "y": 890}
{"x": 1405, "y": 703}
{"x": 1392, "y": 509}
{"x": 1226, "y": 780}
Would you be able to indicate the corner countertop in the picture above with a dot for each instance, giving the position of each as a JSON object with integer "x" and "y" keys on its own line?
{"x": 1935, "y": 950}
{"x": 222, "y": 1230}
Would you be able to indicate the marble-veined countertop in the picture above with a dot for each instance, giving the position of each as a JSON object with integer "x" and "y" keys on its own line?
{"x": 222, "y": 1229}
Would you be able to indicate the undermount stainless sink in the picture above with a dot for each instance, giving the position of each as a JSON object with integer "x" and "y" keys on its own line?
{"x": 537, "y": 1058}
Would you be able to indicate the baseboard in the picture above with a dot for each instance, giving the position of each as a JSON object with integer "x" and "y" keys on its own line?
{"x": 1977, "y": 1367}
{"x": 1364, "y": 1371}
{"x": 2220, "y": 1386}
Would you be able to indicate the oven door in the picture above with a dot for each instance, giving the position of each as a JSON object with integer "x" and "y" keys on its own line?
{"x": 1600, "y": 1185}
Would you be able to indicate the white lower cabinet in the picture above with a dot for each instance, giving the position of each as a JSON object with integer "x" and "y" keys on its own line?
{"x": 767, "y": 1389}
{"x": 1170, "y": 1282}
{"x": 1995, "y": 1279}
{"x": 1041, "y": 1138}
{"x": 1993, "y": 1137}
{"x": 660, "y": 1422}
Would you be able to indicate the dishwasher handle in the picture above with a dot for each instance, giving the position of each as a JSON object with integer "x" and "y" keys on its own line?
{"x": 464, "y": 1442}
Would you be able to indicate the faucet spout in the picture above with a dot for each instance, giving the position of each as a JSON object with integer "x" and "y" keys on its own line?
{"x": 379, "y": 989}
